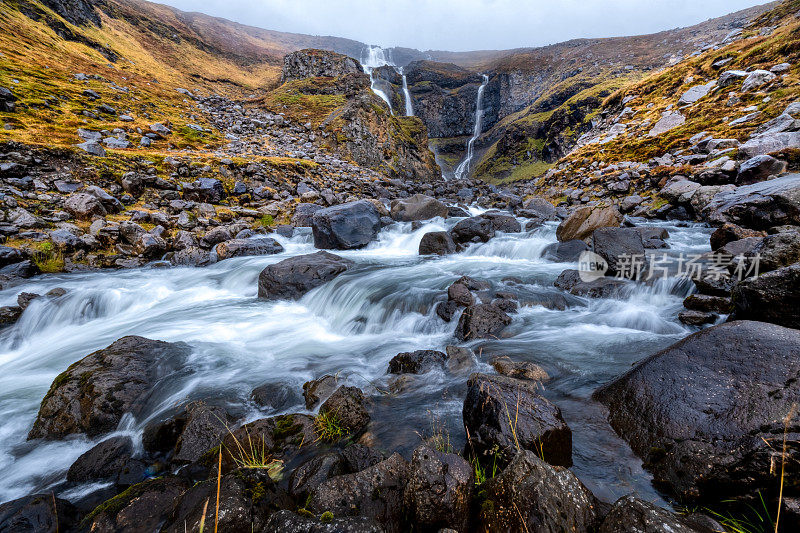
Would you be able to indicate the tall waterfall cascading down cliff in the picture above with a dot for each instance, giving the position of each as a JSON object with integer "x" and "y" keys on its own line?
{"x": 376, "y": 57}
{"x": 407, "y": 95}
{"x": 463, "y": 168}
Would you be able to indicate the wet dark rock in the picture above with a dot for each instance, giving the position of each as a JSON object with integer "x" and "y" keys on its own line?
{"x": 376, "y": 492}
{"x": 564, "y": 252}
{"x": 311, "y": 474}
{"x": 348, "y": 405}
{"x": 418, "y": 207}
{"x": 346, "y": 226}
{"x": 653, "y": 238}
{"x": 205, "y": 428}
{"x": 104, "y": 461}
{"x": 456, "y": 212}
{"x": 142, "y": 507}
{"x": 509, "y": 413}
{"x": 777, "y": 250}
{"x": 289, "y": 522}
{"x": 437, "y": 242}
{"x": 604, "y": 287}
{"x": 554, "y": 499}
{"x": 503, "y": 222}
{"x": 446, "y": 310}
{"x": 539, "y": 207}
{"x": 459, "y": 293}
{"x": 460, "y": 359}
{"x": 439, "y": 490}
{"x": 283, "y": 437}
{"x": 519, "y": 369}
{"x": 247, "y": 247}
{"x": 316, "y": 390}
{"x": 191, "y": 256}
{"x": 506, "y": 305}
{"x": 274, "y": 395}
{"x": 698, "y": 411}
{"x": 24, "y": 299}
{"x": 481, "y": 321}
{"x": 9, "y": 314}
{"x": 91, "y": 396}
{"x": 714, "y": 285}
{"x": 697, "y": 318}
{"x": 161, "y": 436}
{"x": 291, "y": 278}
{"x": 473, "y": 229}
{"x": 247, "y": 497}
{"x": 37, "y": 513}
{"x": 731, "y": 232}
{"x": 708, "y": 303}
{"x": 303, "y": 215}
{"x": 417, "y": 362}
{"x": 623, "y": 250}
{"x": 632, "y": 514}
{"x": 770, "y": 297}
{"x": 740, "y": 247}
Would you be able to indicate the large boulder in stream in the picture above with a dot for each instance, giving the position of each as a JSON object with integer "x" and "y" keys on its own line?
{"x": 623, "y": 250}
{"x": 509, "y": 414}
{"x": 346, "y": 226}
{"x": 632, "y": 514}
{"x": 582, "y": 222}
{"x": 37, "y": 513}
{"x": 247, "y": 247}
{"x": 291, "y": 278}
{"x": 91, "y": 396}
{"x": 530, "y": 495}
{"x": 707, "y": 414}
{"x": 771, "y": 297}
{"x": 481, "y": 321}
{"x": 438, "y": 243}
{"x": 759, "y": 206}
{"x": 418, "y": 207}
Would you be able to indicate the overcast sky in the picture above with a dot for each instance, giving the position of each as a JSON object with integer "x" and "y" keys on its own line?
{"x": 466, "y": 24}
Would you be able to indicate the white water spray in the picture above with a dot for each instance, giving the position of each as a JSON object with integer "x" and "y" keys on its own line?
{"x": 463, "y": 167}
{"x": 407, "y": 96}
{"x": 376, "y": 57}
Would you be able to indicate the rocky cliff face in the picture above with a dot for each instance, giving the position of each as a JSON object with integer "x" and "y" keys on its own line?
{"x": 317, "y": 64}
{"x": 354, "y": 122}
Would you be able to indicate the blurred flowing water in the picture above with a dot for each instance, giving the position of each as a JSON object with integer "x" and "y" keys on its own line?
{"x": 352, "y": 326}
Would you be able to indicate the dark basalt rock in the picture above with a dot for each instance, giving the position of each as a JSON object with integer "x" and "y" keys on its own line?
{"x": 347, "y": 404}
{"x": 502, "y": 222}
{"x": 771, "y": 297}
{"x": 319, "y": 389}
{"x": 311, "y": 63}
{"x": 697, "y": 318}
{"x": 91, "y": 396}
{"x": 731, "y": 232}
{"x": 697, "y": 411}
{"x": 37, "y": 513}
{"x": 143, "y": 507}
{"x": 346, "y": 226}
{"x": 481, "y": 321}
{"x": 291, "y": 278}
{"x": 304, "y": 214}
{"x": 274, "y": 395}
{"x": 619, "y": 247}
{"x": 208, "y": 190}
{"x": 438, "y": 243}
{"x": 564, "y": 252}
{"x": 707, "y": 303}
{"x": 439, "y": 490}
{"x": 289, "y": 522}
{"x": 205, "y": 427}
{"x": 376, "y": 493}
{"x": 247, "y": 497}
{"x": 554, "y": 499}
{"x": 760, "y": 205}
{"x": 473, "y": 229}
{"x": 604, "y": 287}
{"x": 247, "y": 247}
{"x": 104, "y": 461}
{"x": 776, "y": 251}
{"x": 417, "y": 362}
{"x": 446, "y": 310}
{"x": 459, "y": 293}
{"x": 506, "y": 412}
{"x": 632, "y": 514}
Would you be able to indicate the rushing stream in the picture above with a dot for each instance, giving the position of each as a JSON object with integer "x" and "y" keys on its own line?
{"x": 353, "y": 326}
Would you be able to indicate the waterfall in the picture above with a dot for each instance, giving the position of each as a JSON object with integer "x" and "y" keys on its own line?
{"x": 376, "y": 57}
{"x": 463, "y": 167}
{"x": 407, "y": 96}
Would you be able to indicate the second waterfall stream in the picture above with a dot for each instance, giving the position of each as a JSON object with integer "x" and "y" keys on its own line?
{"x": 463, "y": 168}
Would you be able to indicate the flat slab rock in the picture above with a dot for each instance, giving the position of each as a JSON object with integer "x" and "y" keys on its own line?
{"x": 291, "y": 278}
{"x": 700, "y": 411}
{"x": 91, "y": 396}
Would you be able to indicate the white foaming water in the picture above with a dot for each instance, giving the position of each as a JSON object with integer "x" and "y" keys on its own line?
{"x": 463, "y": 167}
{"x": 353, "y": 325}
{"x": 407, "y": 96}
{"x": 376, "y": 57}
